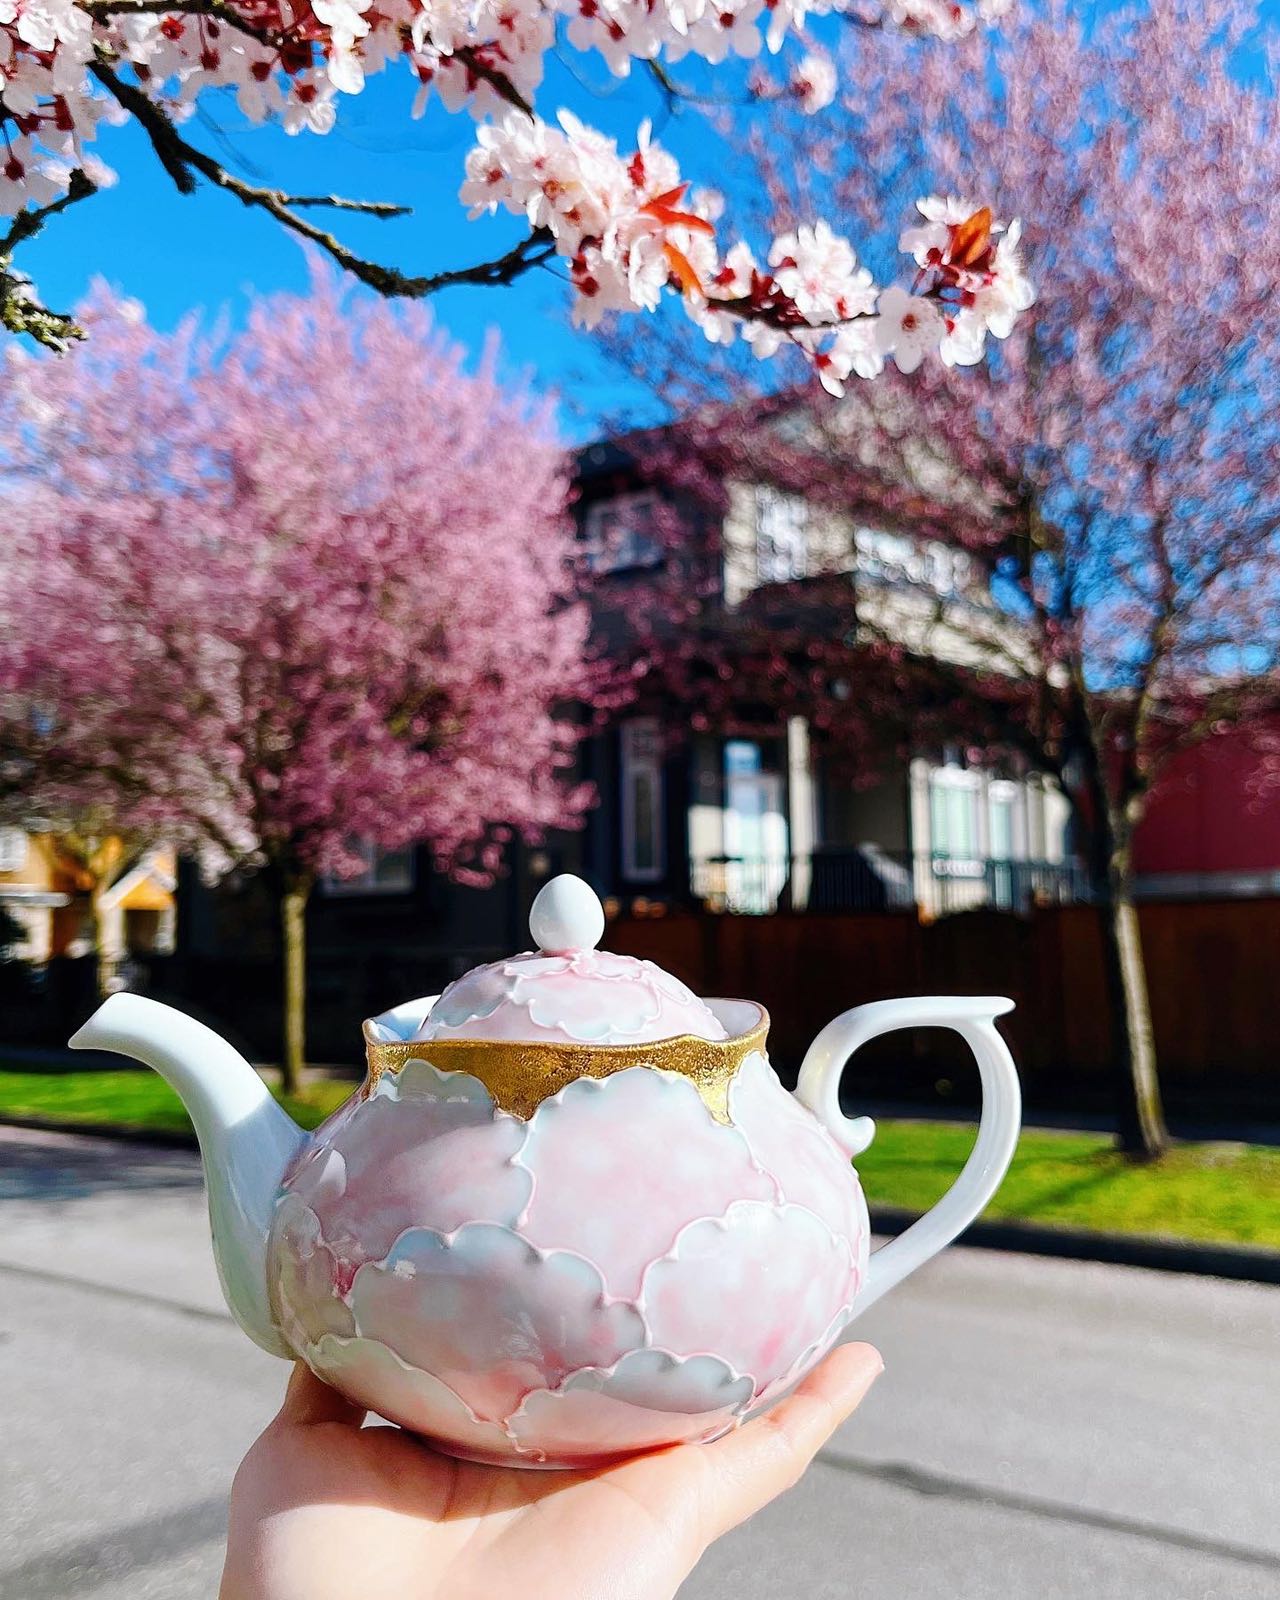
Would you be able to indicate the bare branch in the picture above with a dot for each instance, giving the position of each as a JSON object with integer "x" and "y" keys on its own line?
{"x": 183, "y": 161}
{"x": 337, "y": 202}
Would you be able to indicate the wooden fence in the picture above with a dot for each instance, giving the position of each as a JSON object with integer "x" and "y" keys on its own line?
{"x": 1213, "y": 969}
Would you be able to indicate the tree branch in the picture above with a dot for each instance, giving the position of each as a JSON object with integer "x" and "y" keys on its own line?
{"x": 469, "y": 55}
{"x": 218, "y": 10}
{"x": 182, "y": 161}
{"x": 28, "y": 223}
{"x": 20, "y": 311}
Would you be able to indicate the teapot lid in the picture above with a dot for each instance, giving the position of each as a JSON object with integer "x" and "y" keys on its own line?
{"x": 567, "y": 991}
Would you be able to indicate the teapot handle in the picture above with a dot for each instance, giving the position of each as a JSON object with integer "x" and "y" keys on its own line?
{"x": 998, "y": 1126}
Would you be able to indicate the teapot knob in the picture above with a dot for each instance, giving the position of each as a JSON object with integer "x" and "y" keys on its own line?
{"x": 566, "y": 915}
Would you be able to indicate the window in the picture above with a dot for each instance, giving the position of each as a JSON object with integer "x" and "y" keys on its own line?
{"x": 895, "y": 558}
{"x": 954, "y": 795}
{"x": 782, "y": 536}
{"x": 1004, "y": 821}
{"x": 384, "y": 872}
{"x": 643, "y": 842}
{"x": 620, "y": 534}
{"x": 13, "y": 849}
{"x": 755, "y": 830}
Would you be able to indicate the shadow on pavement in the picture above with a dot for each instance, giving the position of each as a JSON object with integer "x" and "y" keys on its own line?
{"x": 35, "y": 1165}
{"x": 85, "y": 1565}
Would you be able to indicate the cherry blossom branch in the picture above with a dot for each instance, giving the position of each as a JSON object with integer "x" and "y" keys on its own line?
{"x": 20, "y": 311}
{"x": 28, "y": 223}
{"x": 218, "y": 10}
{"x": 470, "y": 57}
{"x": 182, "y": 161}
{"x": 179, "y": 158}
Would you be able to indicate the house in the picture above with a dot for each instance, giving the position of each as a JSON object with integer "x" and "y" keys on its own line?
{"x": 751, "y": 824}
{"x": 1212, "y": 823}
{"x": 49, "y": 906}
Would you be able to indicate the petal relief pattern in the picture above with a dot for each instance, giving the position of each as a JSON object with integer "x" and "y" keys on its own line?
{"x": 375, "y": 1377}
{"x": 415, "y": 1160}
{"x": 306, "y": 1278}
{"x": 757, "y": 1287}
{"x": 490, "y": 1315}
{"x": 649, "y": 1398}
{"x": 789, "y": 1142}
{"x": 621, "y": 1164}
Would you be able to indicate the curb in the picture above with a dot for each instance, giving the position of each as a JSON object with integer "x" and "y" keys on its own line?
{"x": 1246, "y": 1263}
{"x": 1243, "y": 1263}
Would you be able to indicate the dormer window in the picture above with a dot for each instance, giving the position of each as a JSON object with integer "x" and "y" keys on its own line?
{"x": 782, "y": 535}
{"x": 620, "y": 534}
{"x": 899, "y": 559}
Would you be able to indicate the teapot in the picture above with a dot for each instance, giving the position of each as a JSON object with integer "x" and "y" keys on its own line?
{"x": 571, "y": 1213}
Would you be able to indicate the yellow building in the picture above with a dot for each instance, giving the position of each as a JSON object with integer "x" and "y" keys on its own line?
{"x": 52, "y": 894}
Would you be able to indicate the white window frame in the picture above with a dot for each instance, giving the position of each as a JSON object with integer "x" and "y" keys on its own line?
{"x": 13, "y": 849}
{"x": 899, "y": 558}
{"x": 782, "y": 535}
{"x": 632, "y": 550}
{"x": 1008, "y": 792}
{"x": 366, "y": 882}
{"x": 639, "y": 760}
{"x": 950, "y": 780}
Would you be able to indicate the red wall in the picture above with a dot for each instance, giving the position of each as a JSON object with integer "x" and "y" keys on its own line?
{"x": 1209, "y": 814}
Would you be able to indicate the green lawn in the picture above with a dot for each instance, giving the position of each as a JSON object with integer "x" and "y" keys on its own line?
{"x": 1225, "y": 1193}
{"x": 139, "y": 1099}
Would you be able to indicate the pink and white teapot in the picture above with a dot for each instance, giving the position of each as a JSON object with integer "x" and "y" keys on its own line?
{"x": 571, "y": 1213}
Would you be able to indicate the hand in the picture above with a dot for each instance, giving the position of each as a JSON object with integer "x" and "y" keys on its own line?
{"x": 325, "y": 1509}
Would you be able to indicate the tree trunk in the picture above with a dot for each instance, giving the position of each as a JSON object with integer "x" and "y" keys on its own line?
{"x": 293, "y": 927}
{"x": 106, "y": 957}
{"x": 1141, "y": 1131}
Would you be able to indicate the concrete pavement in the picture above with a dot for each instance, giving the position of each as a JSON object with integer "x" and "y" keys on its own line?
{"x": 1044, "y": 1429}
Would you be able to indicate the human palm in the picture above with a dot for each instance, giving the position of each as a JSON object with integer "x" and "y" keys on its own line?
{"x": 325, "y": 1509}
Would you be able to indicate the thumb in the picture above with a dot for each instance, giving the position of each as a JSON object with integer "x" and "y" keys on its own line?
{"x": 769, "y": 1454}
{"x": 307, "y": 1400}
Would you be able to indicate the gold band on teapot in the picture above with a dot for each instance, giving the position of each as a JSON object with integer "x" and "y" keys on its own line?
{"x": 520, "y": 1076}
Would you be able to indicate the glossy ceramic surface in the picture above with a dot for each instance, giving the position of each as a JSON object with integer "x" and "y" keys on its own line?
{"x": 619, "y": 1271}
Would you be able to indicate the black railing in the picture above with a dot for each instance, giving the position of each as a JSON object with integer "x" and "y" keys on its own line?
{"x": 871, "y": 879}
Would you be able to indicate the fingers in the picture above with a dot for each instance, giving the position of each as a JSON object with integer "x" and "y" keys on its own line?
{"x": 307, "y": 1400}
{"x": 768, "y": 1455}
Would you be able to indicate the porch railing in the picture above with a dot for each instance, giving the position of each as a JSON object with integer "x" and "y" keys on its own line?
{"x": 870, "y": 879}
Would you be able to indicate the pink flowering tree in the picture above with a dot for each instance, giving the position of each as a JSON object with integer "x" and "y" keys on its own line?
{"x": 284, "y": 598}
{"x": 625, "y": 223}
{"x": 1116, "y": 467}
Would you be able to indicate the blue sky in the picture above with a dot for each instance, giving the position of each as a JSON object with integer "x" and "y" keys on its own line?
{"x": 174, "y": 253}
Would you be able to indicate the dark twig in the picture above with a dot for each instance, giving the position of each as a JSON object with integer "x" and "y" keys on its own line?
{"x": 469, "y": 56}
{"x": 219, "y": 10}
{"x": 28, "y": 223}
{"x": 20, "y": 311}
{"x": 183, "y": 161}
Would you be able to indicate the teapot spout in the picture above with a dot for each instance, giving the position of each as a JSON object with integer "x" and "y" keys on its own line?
{"x": 247, "y": 1142}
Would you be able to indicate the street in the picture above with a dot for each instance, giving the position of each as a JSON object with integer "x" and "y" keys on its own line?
{"x": 1044, "y": 1429}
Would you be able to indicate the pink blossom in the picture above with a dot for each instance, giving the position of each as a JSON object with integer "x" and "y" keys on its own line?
{"x": 274, "y": 599}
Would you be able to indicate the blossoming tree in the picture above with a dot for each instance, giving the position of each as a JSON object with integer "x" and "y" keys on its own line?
{"x": 624, "y": 222}
{"x": 1117, "y": 467}
{"x": 283, "y": 599}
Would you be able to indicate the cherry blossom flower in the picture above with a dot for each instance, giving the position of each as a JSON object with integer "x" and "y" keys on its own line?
{"x": 814, "y": 83}
{"x": 908, "y": 328}
{"x": 624, "y": 222}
